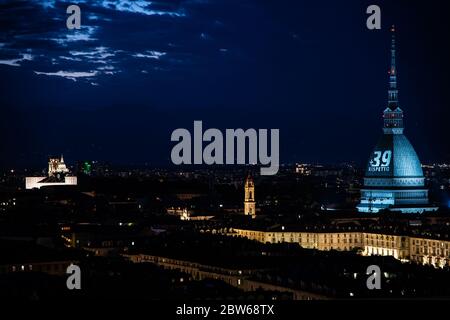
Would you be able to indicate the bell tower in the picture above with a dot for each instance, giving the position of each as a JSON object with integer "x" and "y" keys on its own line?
{"x": 249, "y": 199}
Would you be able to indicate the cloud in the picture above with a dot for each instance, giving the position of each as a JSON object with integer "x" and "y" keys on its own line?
{"x": 97, "y": 53}
{"x": 71, "y": 75}
{"x": 150, "y": 54}
{"x": 47, "y": 3}
{"x": 106, "y": 68}
{"x": 137, "y": 6}
{"x": 69, "y": 58}
{"x": 131, "y": 6}
{"x": 205, "y": 36}
{"x": 83, "y": 34}
{"x": 105, "y": 49}
{"x": 15, "y": 62}
{"x": 95, "y": 17}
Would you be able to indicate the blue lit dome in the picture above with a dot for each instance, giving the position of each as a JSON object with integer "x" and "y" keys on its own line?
{"x": 404, "y": 162}
{"x": 394, "y": 178}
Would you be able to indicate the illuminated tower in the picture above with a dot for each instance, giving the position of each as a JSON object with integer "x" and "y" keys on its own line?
{"x": 394, "y": 178}
{"x": 249, "y": 199}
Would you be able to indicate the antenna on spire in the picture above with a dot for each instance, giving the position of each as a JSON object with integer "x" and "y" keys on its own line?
{"x": 393, "y": 115}
{"x": 393, "y": 92}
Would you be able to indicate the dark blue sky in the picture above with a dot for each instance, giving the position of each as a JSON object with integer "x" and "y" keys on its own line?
{"x": 117, "y": 88}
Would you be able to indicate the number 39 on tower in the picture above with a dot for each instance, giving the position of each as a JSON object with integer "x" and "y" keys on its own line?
{"x": 381, "y": 159}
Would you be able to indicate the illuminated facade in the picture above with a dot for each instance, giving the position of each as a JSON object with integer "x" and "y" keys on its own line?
{"x": 58, "y": 175}
{"x": 394, "y": 178}
{"x": 425, "y": 251}
{"x": 241, "y": 279}
{"x": 249, "y": 197}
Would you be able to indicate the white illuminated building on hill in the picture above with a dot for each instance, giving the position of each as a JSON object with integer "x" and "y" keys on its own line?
{"x": 58, "y": 175}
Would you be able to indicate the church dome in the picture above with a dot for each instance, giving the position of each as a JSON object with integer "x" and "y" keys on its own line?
{"x": 394, "y": 177}
{"x": 394, "y": 157}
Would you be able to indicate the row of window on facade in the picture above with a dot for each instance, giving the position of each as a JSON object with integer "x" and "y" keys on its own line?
{"x": 47, "y": 267}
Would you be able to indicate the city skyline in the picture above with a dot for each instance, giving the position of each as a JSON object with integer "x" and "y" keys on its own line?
{"x": 232, "y": 157}
{"x": 183, "y": 59}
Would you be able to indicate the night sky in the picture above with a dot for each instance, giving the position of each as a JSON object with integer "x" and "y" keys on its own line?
{"x": 116, "y": 89}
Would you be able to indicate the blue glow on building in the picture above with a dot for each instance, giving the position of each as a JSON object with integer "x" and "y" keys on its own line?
{"x": 394, "y": 178}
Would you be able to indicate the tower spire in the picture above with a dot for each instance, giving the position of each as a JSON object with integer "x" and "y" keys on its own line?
{"x": 393, "y": 115}
{"x": 393, "y": 91}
